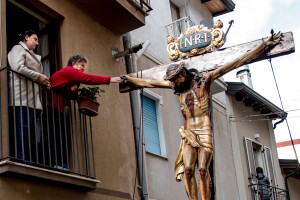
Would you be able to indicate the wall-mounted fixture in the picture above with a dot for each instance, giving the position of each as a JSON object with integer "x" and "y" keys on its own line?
{"x": 256, "y": 136}
{"x": 116, "y": 54}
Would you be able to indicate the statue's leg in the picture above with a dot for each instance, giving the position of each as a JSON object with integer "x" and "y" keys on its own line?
{"x": 204, "y": 159}
{"x": 189, "y": 160}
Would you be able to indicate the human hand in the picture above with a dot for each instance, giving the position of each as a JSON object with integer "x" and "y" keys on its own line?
{"x": 74, "y": 88}
{"x": 48, "y": 86}
{"x": 115, "y": 80}
{"x": 43, "y": 79}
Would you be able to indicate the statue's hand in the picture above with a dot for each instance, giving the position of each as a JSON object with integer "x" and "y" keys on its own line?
{"x": 128, "y": 84}
{"x": 124, "y": 78}
{"x": 274, "y": 39}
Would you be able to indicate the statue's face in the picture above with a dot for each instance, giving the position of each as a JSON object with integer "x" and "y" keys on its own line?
{"x": 180, "y": 79}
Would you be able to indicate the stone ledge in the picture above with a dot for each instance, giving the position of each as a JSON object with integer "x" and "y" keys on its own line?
{"x": 13, "y": 168}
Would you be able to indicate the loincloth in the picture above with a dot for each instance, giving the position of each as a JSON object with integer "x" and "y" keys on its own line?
{"x": 197, "y": 138}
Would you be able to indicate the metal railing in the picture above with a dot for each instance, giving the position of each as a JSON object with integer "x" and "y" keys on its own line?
{"x": 177, "y": 27}
{"x": 43, "y": 127}
{"x": 142, "y": 5}
{"x": 267, "y": 192}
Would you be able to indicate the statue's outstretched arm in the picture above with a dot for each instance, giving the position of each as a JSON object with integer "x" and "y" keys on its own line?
{"x": 130, "y": 83}
{"x": 247, "y": 57}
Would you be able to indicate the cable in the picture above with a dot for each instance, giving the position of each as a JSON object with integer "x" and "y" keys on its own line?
{"x": 250, "y": 120}
{"x": 258, "y": 115}
{"x": 270, "y": 61}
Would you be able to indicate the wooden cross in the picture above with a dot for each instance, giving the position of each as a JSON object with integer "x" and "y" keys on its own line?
{"x": 213, "y": 60}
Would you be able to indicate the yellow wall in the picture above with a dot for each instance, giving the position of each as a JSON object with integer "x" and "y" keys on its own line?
{"x": 293, "y": 185}
{"x": 114, "y": 149}
{"x": 248, "y": 129}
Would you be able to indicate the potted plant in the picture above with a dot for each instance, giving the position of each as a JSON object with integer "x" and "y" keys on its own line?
{"x": 87, "y": 100}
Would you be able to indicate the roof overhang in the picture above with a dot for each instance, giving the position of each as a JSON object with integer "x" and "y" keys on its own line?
{"x": 288, "y": 166}
{"x": 219, "y": 7}
{"x": 251, "y": 98}
{"x": 117, "y": 15}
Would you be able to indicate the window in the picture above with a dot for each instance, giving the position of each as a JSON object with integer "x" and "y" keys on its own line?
{"x": 259, "y": 155}
{"x": 20, "y": 17}
{"x": 152, "y": 123}
{"x": 174, "y": 12}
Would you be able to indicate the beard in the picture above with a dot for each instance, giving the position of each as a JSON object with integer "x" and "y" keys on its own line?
{"x": 182, "y": 87}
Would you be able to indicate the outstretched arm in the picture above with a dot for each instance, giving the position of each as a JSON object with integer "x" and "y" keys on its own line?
{"x": 247, "y": 57}
{"x": 130, "y": 84}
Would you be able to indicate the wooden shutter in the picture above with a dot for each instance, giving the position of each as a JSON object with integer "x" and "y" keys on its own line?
{"x": 251, "y": 160}
{"x": 269, "y": 165}
{"x": 150, "y": 125}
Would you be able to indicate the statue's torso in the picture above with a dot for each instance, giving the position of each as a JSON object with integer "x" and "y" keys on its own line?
{"x": 195, "y": 105}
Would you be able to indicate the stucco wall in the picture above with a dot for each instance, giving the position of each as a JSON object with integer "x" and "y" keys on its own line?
{"x": 154, "y": 30}
{"x": 160, "y": 170}
{"x": 293, "y": 185}
{"x": 224, "y": 167}
{"x": 113, "y": 134}
{"x": 198, "y": 11}
{"x": 248, "y": 129}
{"x": 114, "y": 147}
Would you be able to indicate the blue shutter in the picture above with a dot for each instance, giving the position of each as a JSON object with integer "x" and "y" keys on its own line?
{"x": 150, "y": 125}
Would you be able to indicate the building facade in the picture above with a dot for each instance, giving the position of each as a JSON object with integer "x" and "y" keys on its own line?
{"x": 123, "y": 153}
{"x": 101, "y": 160}
{"x": 233, "y": 157}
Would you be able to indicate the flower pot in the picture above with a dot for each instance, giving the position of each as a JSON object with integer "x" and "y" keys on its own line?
{"x": 88, "y": 106}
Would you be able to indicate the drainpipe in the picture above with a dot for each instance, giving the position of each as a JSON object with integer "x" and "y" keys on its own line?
{"x": 136, "y": 117}
{"x": 286, "y": 183}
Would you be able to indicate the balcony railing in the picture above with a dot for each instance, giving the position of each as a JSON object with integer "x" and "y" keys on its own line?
{"x": 142, "y": 5}
{"x": 177, "y": 27}
{"x": 43, "y": 128}
{"x": 262, "y": 191}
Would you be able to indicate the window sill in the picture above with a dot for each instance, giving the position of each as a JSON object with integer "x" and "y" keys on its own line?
{"x": 13, "y": 168}
{"x": 154, "y": 154}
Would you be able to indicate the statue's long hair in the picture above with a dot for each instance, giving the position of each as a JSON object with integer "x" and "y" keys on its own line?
{"x": 197, "y": 76}
{"x": 174, "y": 70}
{"x": 190, "y": 75}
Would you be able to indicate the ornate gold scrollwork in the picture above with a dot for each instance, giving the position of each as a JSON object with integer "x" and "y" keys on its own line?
{"x": 217, "y": 40}
{"x": 173, "y": 51}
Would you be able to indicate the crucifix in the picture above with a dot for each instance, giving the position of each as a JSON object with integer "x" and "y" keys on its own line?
{"x": 191, "y": 80}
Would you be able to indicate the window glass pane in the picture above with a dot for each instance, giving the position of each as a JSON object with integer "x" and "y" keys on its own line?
{"x": 43, "y": 48}
{"x": 46, "y": 66}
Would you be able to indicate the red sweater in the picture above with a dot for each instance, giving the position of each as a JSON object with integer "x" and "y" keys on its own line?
{"x": 63, "y": 79}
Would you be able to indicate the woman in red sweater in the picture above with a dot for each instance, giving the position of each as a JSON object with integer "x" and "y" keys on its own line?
{"x": 64, "y": 85}
{"x": 67, "y": 80}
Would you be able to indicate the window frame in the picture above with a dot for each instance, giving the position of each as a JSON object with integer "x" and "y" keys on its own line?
{"x": 265, "y": 156}
{"x": 158, "y": 104}
{"x": 53, "y": 21}
{"x": 174, "y": 7}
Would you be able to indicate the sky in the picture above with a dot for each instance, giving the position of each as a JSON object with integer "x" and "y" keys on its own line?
{"x": 253, "y": 20}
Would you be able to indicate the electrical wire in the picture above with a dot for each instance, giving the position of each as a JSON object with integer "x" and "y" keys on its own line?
{"x": 270, "y": 61}
{"x": 259, "y": 115}
{"x": 251, "y": 120}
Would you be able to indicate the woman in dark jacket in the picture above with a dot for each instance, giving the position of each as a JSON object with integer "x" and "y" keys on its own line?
{"x": 263, "y": 184}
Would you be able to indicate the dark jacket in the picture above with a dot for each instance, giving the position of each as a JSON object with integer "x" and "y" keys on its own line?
{"x": 263, "y": 189}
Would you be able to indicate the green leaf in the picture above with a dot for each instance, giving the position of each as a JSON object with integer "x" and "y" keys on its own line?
{"x": 90, "y": 92}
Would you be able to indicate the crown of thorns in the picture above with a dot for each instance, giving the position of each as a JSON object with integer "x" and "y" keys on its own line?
{"x": 173, "y": 70}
